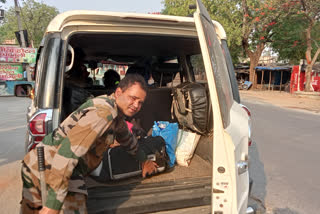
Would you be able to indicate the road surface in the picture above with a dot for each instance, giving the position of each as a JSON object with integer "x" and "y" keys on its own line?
{"x": 12, "y": 137}
{"x": 283, "y": 158}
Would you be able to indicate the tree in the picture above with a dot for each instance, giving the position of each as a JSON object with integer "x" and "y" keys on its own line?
{"x": 177, "y": 7}
{"x": 288, "y": 39}
{"x": 35, "y": 18}
{"x": 311, "y": 12}
{"x": 248, "y": 23}
{"x": 259, "y": 20}
{"x": 299, "y": 35}
{"x": 226, "y": 12}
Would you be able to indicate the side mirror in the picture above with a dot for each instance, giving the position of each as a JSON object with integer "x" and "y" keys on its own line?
{"x": 23, "y": 90}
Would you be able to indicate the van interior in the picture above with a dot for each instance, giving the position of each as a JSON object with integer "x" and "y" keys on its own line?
{"x": 169, "y": 60}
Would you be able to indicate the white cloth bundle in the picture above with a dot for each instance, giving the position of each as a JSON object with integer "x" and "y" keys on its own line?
{"x": 186, "y": 145}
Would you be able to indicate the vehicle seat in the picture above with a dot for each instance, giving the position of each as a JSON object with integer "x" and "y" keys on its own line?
{"x": 164, "y": 73}
{"x": 73, "y": 97}
{"x": 157, "y": 106}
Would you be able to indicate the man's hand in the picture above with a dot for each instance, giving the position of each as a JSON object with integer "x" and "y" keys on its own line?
{"x": 149, "y": 167}
{"x": 115, "y": 144}
{"x": 46, "y": 210}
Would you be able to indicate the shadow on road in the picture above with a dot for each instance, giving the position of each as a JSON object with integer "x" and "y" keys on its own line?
{"x": 284, "y": 211}
{"x": 13, "y": 144}
{"x": 257, "y": 174}
{"x": 13, "y": 128}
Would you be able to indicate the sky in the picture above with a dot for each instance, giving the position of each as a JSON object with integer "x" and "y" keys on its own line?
{"x": 138, "y": 6}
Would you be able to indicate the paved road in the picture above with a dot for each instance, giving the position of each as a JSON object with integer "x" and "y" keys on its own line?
{"x": 12, "y": 128}
{"x": 12, "y": 138}
{"x": 285, "y": 158}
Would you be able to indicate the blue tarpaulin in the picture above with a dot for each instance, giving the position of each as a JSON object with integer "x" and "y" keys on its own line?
{"x": 276, "y": 73}
{"x": 283, "y": 68}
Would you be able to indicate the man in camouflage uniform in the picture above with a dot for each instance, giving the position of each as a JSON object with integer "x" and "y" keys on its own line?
{"x": 77, "y": 146}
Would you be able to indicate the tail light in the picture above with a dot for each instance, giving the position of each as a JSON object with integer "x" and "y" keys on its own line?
{"x": 37, "y": 127}
{"x": 249, "y": 123}
{"x": 247, "y": 110}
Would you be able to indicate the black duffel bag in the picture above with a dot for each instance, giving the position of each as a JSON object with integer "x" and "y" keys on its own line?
{"x": 117, "y": 164}
{"x": 191, "y": 106}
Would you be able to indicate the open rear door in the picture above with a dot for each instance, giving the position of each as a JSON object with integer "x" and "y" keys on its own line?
{"x": 230, "y": 179}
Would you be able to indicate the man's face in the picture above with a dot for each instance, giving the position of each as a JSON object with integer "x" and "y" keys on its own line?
{"x": 130, "y": 100}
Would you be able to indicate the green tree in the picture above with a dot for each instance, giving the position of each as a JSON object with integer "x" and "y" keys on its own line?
{"x": 226, "y": 12}
{"x": 259, "y": 20}
{"x": 248, "y": 23}
{"x": 288, "y": 39}
{"x": 311, "y": 12}
{"x": 298, "y": 37}
{"x": 35, "y": 17}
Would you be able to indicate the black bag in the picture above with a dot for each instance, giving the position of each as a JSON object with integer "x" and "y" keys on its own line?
{"x": 190, "y": 105}
{"x": 117, "y": 164}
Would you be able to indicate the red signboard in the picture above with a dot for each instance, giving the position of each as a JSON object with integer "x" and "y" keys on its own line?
{"x": 298, "y": 80}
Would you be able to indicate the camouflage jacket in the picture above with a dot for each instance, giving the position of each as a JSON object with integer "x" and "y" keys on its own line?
{"x": 76, "y": 147}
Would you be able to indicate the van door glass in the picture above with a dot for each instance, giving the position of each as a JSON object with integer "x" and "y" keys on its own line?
{"x": 50, "y": 67}
{"x": 219, "y": 70}
{"x": 232, "y": 74}
{"x": 38, "y": 73}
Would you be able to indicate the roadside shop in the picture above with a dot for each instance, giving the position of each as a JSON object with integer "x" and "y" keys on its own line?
{"x": 16, "y": 70}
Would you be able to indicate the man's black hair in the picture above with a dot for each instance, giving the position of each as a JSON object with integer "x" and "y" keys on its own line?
{"x": 131, "y": 79}
{"x": 111, "y": 79}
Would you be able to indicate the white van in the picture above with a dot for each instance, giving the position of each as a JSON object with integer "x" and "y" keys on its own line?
{"x": 217, "y": 180}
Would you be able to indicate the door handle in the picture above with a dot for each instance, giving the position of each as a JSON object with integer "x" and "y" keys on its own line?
{"x": 242, "y": 167}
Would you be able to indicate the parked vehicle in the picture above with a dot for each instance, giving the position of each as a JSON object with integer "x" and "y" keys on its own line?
{"x": 217, "y": 181}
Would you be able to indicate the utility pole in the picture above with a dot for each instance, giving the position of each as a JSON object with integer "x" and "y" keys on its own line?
{"x": 23, "y": 41}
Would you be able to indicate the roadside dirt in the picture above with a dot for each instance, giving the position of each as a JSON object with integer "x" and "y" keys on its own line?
{"x": 10, "y": 187}
{"x": 284, "y": 99}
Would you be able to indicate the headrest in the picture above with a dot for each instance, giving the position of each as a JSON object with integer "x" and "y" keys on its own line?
{"x": 165, "y": 72}
{"x": 135, "y": 69}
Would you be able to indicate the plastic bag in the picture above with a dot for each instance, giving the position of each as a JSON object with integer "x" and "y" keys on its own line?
{"x": 186, "y": 145}
{"x": 169, "y": 132}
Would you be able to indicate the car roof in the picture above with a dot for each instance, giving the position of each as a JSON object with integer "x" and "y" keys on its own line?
{"x": 79, "y": 17}
{"x": 91, "y": 17}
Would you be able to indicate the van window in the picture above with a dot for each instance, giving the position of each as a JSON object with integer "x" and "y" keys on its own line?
{"x": 98, "y": 74}
{"x": 220, "y": 71}
{"x": 38, "y": 74}
{"x": 198, "y": 67}
{"x": 48, "y": 89}
{"x": 232, "y": 75}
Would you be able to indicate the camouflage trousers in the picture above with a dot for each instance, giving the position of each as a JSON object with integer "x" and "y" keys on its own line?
{"x": 74, "y": 203}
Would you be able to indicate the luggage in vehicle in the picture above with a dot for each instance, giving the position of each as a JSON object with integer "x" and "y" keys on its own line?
{"x": 190, "y": 105}
{"x": 118, "y": 164}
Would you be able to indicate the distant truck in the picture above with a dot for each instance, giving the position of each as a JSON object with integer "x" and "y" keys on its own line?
{"x": 16, "y": 70}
